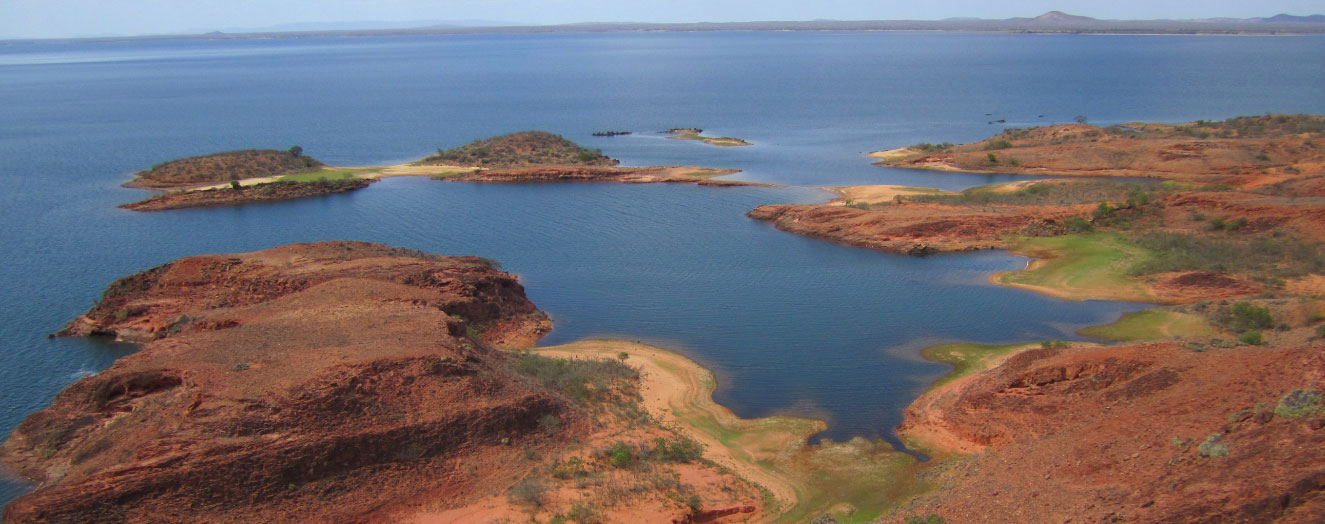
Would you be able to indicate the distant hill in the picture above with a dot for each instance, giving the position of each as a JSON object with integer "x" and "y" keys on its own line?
{"x": 1059, "y": 17}
{"x": 1051, "y": 22}
{"x": 1310, "y": 19}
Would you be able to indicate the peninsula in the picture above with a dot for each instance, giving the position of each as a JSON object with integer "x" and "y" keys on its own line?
{"x": 1235, "y": 207}
{"x": 253, "y": 176}
{"x": 347, "y": 381}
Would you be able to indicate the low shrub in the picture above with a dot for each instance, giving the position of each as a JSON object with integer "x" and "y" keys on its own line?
{"x": 1212, "y": 447}
{"x": 1299, "y": 403}
{"x": 1252, "y": 337}
{"x": 1277, "y": 257}
{"x": 580, "y": 380}
{"x": 527, "y": 492}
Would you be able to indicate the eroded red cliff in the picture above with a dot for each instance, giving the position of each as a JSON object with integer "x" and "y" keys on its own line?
{"x": 313, "y": 382}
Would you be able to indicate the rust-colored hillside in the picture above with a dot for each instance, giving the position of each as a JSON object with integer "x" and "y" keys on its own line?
{"x": 219, "y": 168}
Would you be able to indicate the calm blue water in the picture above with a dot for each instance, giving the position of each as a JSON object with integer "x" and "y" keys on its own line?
{"x": 789, "y": 324}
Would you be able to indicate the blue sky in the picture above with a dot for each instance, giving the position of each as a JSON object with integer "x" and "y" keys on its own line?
{"x": 72, "y": 18}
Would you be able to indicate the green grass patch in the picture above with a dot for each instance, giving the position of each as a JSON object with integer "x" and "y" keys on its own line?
{"x": 965, "y": 357}
{"x": 321, "y": 174}
{"x": 867, "y": 474}
{"x": 1151, "y": 324}
{"x": 1083, "y": 266}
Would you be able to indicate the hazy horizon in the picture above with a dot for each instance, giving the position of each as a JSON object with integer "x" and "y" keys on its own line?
{"x": 84, "y": 18}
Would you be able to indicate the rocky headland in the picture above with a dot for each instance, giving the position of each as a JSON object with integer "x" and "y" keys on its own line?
{"x": 248, "y": 194}
{"x": 1153, "y": 432}
{"x": 338, "y": 382}
{"x": 1237, "y": 198}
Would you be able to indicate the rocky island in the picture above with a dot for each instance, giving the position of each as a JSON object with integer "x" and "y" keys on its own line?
{"x": 253, "y": 176}
{"x": 694, "y": 133}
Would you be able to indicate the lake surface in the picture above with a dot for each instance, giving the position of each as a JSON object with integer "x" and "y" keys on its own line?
{"x": 789, "y": 324}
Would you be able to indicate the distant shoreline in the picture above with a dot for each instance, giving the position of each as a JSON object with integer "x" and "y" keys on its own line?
{"x": 1045, "y": 24}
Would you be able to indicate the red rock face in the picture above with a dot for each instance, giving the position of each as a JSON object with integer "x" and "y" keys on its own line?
{"x": 307, "y": 383}
{"x": 267, "y": 192}
{"x": 916, "y": 229}
{"x": 1142, "y": 433}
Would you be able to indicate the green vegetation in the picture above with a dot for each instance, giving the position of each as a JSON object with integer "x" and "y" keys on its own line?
{"x": 680, "y": 450}
{"x": 1211, "y": 447}
{"x": 527, "y": 492}
{"x": 219, "y": 168}
{"x": 926, "y": 147}
{"x": 1299, "y": 403}
{"x": 867, "y": 475}
{"x": 583, "y": 381}
{"x": 1272, "y": 257}
{"x": 1151, "y": 324}
{"x": 965, "y": 357}
{"x": 517, "y": 149}
{"x": 1244, "y": 316}
{"x": 998, "y": 144}
{"x": 1220, "y": 224}
{"x": 621, "y": 455}
{"x": 1042, "y": 193}
{"x": 697, "y": 134}
{"x": 320, "y": 175}
{"x": 1083, "y": 266}
{"x": 549, "y": 423}
{"x": 583, "y": 513}
{"x": 1251, "y": 336}
{"x": 1242, "y": 126}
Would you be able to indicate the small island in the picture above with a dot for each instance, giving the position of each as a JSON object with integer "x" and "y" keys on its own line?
{"x": 254, "y": 176}
{"x": 694, "y": 133}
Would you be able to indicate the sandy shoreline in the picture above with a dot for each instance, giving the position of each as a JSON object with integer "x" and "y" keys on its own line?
{"x": 678, "y": 392}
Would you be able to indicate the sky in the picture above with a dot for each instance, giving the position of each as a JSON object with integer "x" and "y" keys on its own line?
{"x": 80, "y": 18}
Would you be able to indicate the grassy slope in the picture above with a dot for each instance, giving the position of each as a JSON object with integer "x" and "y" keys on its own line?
{"x": 1151, "y": 324}
{"x": 1079, "y": 267}
{"x": 966, "y": 357}
{"x": 334, "y": 173}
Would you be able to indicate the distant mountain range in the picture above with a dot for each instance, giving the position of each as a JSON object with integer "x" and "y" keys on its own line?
{"x": 1051, "y": 22}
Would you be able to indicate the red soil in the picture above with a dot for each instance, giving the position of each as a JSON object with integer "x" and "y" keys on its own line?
{"x": 268, "y": 192}
{"x": 217, "y": 168}
{"x": 1114, "y": 434}
{"x": 916, "y": 229}
{"x": 315, "y": 382}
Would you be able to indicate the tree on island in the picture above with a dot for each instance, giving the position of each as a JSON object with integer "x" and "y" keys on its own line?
{"x": 296, "y": 151}
{"x": 234, "y": 181}
{"x": 1080, "y": 119}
